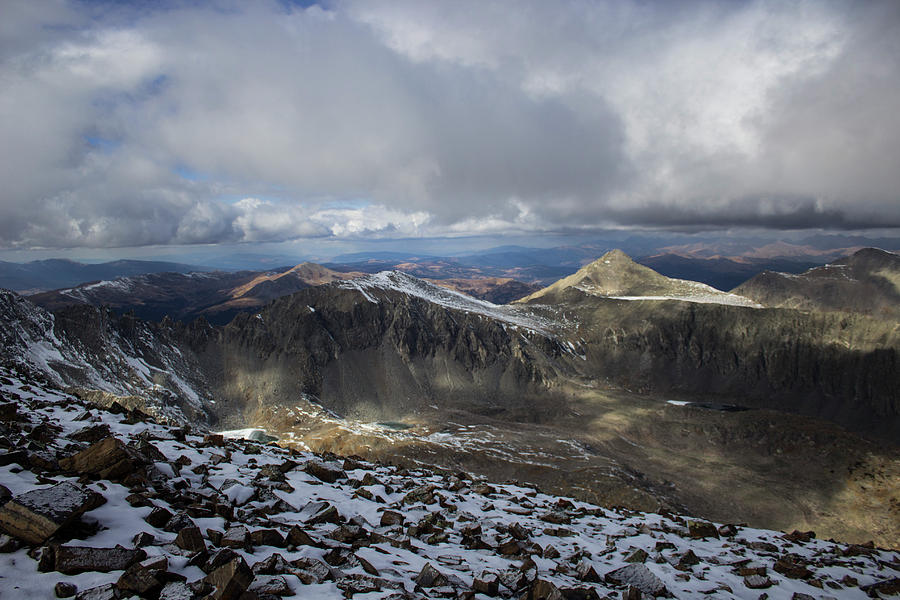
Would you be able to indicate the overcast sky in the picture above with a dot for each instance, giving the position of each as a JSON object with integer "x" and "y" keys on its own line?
{"x": 133, "y": 124}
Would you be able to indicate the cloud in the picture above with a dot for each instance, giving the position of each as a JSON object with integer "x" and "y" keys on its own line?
{"x": 442, "y": 119}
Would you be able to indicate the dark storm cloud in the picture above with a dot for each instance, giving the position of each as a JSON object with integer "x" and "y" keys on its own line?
{"x": 249, "y": 122}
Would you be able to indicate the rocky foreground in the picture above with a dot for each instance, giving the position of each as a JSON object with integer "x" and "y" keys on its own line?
{"x": 101, "y": 504}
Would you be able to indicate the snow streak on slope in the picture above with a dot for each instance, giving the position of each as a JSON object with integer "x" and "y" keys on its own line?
{"x": 143, "y": 365}
{"x": 404, "y": 283}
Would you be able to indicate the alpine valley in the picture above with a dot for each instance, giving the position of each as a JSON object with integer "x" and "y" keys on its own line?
{"x": 776, "y": 404}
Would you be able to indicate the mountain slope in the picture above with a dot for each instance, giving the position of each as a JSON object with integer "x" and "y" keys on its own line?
{"x": 218, "y": 515}
{"x": 615, "y": 275}
{"x": 217, "y": 296}
{"x": 96, "y": 350}
{"x": 867, "y": 281}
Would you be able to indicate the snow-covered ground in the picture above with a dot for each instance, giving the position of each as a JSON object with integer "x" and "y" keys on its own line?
{"x": 460, "y": 526}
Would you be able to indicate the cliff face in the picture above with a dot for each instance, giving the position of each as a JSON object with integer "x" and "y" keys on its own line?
{"x": 844, "y": 368}
{"x": 379, "y": 355}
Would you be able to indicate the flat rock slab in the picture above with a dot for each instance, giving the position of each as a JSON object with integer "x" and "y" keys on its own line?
{"x": 72, "y": 560}
{"x": 37, "y": 514}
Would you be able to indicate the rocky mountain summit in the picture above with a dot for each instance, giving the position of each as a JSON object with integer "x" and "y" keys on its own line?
{"x": 107, "y": 504}
{"x": 615, "y": 275}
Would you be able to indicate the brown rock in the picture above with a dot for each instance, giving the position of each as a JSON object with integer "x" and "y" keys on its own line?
{"x": 297, "y": 536}
{"x": 109, "y": 458}
{"x": 791, "y": 569}
{"x": 72, "y": 560}
{"x": 702, "y": 529}
{"x": 887, "y": 587}
{"x": 230, "y": 580}
{"x": 487, "y": 583}
{"x": 639, "y": 555}
{"x": 687, "y": 560}
{"x": 430, "y": 577}
{"x": 390, "y": 518}
{"x": 422, "y": 493}
{"x": 190, "y": 539}
{"x": 510, "y": 547}
{"x": 36, "y": 515}
{"x": 580, "y": 593}
{"x": 107, "y": 591}
{"x": 64, "y": 589}
{"x": 367, "y": 566}
{"x": 320, "y": 470}
{"x": 272, "y": 585}
{"x": 91, "y": 434}
{"x": 311, "y": 570}
{"x": 144, "y": 578}
{"x": 214, "y": 439}
{"x": 267, "y": 537}
{"x": 158, "y": 517}
{"x": 236, "y": 537}
{"x": 358, "y": 584}
{"x": 218, "y": 558}
{"x": 542, "y": 589}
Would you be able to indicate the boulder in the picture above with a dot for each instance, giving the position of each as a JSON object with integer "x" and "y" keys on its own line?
{"x": 430, "y": 577}
{"x": 297, "y": 536}
{"x": 326, "y": 473}
{"x": 267, "y": 537}
{"x": 64, "y": 589}
{"x": 272, "y": 585}
{"x": 107, "y": 591}
{"x": 639, "y": 555}
{"x": 757, "y": 582}
{"x": 315, "y": 513}
{"x": 190, "y": 539}
{"x": 586, "y": 572}
{"x": 487, "y": 583}
{"x": 702, "y": 529}
{"x": 390, "y": 518}
{"x": 109, "y": 458}
{"x": 72, "y": 560}
{"x": 542, "y": 589}
{"x": 36, "y": 515}
{"x": 791, "y": 569}
{"x": 639, "y": 576}
{"x": 230, "y": 580}
{"x": 236, "y": 537}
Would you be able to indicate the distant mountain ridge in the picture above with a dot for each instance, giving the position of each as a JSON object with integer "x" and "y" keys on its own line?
{"x": 55, "y": 273}
{"x": 216, "y": 296}
{"x": 866, "y": 282}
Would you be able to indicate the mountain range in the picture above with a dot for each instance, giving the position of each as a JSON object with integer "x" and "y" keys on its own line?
{"x": 617, "y": 385}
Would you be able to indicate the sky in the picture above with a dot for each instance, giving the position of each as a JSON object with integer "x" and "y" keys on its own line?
{"x": 180, "y": 124}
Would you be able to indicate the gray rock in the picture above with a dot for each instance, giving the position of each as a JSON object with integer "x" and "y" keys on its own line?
{"x": 639, "y": 576}
{"x": 36, "y": 515}
{"x": 79, "y": 559}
